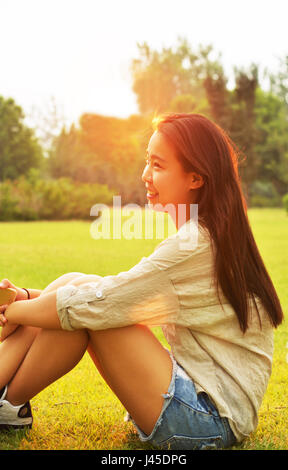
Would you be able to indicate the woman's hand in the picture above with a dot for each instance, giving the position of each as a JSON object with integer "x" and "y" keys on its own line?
{"x": 3, "y": 319}
{"x": 7, "y": 329}
{"x": 21, "y": 293}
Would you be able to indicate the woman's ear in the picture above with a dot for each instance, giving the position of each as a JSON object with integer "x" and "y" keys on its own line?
{"x": 196, "y": 181}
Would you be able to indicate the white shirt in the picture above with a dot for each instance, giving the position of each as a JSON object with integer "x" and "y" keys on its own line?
{"x": 173, "y": 287}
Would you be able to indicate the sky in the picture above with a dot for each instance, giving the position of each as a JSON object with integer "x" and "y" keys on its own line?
{"x": 78, "y": 53}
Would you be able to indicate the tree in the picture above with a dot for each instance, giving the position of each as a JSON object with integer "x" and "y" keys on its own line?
{"x": 159, "y": 77}
{"x": 279, "y": 83}
{"x": 218, "y": 97}
{"x": 69, "y": 157}
{"x": 19, "y": 149}
{"x": 47, "y": 123}
{"x": 242, "y": 122}
{"x": 189, "y": 104}
{"x": 271, "y": 142}
{"x": 103, "y": 150}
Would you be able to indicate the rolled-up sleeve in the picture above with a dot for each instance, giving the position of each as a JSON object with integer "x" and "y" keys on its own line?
{"x": 145, "y": 295}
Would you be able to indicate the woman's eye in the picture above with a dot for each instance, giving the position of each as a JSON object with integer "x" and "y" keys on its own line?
{"x": 154, "y": 164}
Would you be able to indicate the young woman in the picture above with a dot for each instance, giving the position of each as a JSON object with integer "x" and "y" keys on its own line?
{"x": 206, "y": 285}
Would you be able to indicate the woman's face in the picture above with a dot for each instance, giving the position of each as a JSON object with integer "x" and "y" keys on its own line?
{"x": 165, "y": 179}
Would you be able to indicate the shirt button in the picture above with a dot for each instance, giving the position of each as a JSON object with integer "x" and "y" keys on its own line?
{"x": 99, "y": 294}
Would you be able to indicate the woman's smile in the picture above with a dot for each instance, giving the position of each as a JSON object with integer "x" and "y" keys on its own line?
{"x": 151, "y": 194}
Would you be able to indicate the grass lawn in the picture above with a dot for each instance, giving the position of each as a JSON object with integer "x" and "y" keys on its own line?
{"x": 79, "y": 411}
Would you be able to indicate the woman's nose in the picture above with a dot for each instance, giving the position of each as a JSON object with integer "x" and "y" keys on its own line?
{"x": 146, "y": 175}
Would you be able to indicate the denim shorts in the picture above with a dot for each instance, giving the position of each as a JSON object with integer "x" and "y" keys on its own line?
{"x": 188, "y": 420}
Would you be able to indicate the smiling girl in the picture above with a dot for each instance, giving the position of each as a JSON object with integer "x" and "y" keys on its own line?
{"x": 214, "y": 300}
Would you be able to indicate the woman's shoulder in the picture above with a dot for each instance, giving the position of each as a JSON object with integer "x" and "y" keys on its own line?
{"x": 189, "y": 241}
{"x": 190, "y": 237}
{"x": 194, "y": 229}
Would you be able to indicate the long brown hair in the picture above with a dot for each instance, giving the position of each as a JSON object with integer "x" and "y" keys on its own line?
{"x": 203, "y": 147}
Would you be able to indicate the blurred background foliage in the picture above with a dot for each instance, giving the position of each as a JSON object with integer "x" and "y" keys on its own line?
{"x": 61, "y": 175}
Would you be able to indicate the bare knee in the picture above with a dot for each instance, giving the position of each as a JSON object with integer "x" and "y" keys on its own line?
{"x": 62, "y": 281}
{"x": 66, "y": 278}
{"x": 84, "y": 279}
{"x": 21, "y": 332}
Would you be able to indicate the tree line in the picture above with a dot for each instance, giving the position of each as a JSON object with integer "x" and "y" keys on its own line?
{"x": 102, "y": 156}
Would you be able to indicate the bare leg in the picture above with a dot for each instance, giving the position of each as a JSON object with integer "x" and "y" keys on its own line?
{"x": 134, "y": 364}
{"x": 13, "y": 350}
{"x": 52, "y": 354}
{"x": 61, "y": 281}
{"x": 48, "y": 350}
{"x": 132, "y": 361}
{"x": 15, "y": 347}
{"x": 136, "y": 367}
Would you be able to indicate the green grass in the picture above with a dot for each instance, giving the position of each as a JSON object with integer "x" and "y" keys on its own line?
{"x": 79, "y": 411}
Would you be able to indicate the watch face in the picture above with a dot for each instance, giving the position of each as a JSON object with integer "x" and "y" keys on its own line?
{"x": 7, "y": 296}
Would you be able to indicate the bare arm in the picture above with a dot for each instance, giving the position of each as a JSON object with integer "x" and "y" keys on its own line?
{"x": 21, "y": 293}
{"x": 40, "y": 312}
{"x": 33, "y": 293}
